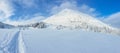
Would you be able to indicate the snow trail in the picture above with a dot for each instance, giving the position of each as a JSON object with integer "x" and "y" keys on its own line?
{"x": 14, "y": 44}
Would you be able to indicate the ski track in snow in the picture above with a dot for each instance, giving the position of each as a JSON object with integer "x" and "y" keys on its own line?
{"x": 14, "y": 44}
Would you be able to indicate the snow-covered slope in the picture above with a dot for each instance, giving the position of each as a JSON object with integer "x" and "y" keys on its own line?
{"x": 113, "y": 20}
{"x": 58, "y": 41}
{"x": 68, "y": 18}
{"x": 3, "y": 25}
{"x": 12, "y": 43}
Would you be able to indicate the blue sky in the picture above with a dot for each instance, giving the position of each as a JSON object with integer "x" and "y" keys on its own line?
{"x": 104, "y": 7}
{"x": 28, "y": 9}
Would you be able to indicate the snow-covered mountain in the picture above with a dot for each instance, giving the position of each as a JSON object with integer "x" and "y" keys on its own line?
{"x": 3, "y": 25}
{"x": 72, "y": 19}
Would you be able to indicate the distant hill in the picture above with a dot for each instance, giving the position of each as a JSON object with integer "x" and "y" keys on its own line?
{"x": 6, "y": 26}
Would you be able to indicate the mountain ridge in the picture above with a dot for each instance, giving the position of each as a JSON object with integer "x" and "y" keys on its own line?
{"x": 4, "y": 25}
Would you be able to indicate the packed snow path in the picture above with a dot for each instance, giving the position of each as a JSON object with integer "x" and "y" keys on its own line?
{"x": 13, "y": 44}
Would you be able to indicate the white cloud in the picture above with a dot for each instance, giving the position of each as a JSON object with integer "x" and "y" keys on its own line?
{"x": 35, "y": 18}
{"x": 26, "y": 3}
{"x": 114, "y": 19}
{"x": 63, "y": 5}
{"x": 72, "y": 4}
{"x": 86, "y": 9}
{"x": 6, "y": 10}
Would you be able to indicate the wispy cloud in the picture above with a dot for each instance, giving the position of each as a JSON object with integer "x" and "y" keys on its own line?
{"x": 114, "y": 19}
{"x": 26, "y": 3}
{"x": 72, "y": 4}
{"x": 34, "y": 18}
{"x": 63, "y": 5}
{"x": 89, "y": 10}
{"x": 6, "y": 10}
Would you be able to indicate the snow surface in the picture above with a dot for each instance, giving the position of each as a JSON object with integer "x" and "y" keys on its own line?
{"x": 12, "y": 43}
{"x": 59, "y": 41}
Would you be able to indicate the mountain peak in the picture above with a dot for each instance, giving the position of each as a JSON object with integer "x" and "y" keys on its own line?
{"x": 72, "y": 19}
{"x": 69, "y": 15}
{"x": 70, "y": 11}
{"x": 67, "y": 10}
